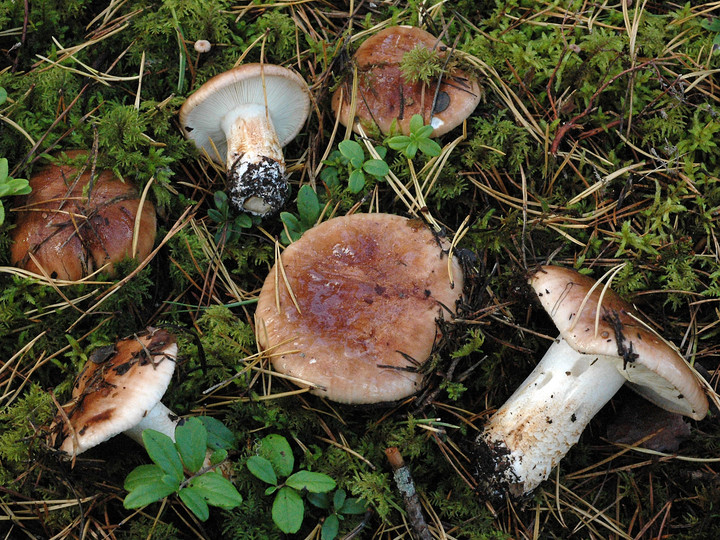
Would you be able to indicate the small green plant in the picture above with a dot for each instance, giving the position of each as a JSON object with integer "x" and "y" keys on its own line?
{"x": 350, "y": 154}
{"x": 713, "y": 26}
{"x": 338, "y": 503}
{"x": 8, "y": 185}
{"x": 229, "y": 227}
{"x": 275, "y": 460}
{"x": 308, "y": 212}
{"x": 418, "y": 139}
{"x": 203, "y": 486}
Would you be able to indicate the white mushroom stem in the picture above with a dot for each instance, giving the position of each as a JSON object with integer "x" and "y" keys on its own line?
{"x": 545, "y": 416}
{"x": 159, "y": 418}
{"x": 255, "y": 162}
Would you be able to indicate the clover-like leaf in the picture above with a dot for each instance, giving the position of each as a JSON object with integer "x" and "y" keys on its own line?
{"x": 314, "y": 482}
{"x": 191, "y": 443}
{"x": 330, "y": 528}
{"x": 288, "y": 510}
{"x": 353, "y": 152}
{"x": 262, "y": 468}
{"x": 356, "y": 181}
{"x": 143, "y": 474}
{"x": 147, "y": 493}
{"x": 308, "y": 205}
{"x": 217, "y": 490}
{"x": 376, "y": 167}
{"x": 194, "y": 500}
{"x": 162, "y": 451}
{"x": 277, "y": 449}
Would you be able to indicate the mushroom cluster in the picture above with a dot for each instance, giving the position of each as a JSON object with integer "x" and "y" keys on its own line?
{"x": 72, "y": 223}
{"x": 385, "y": 97}
{"x": 603, "y": 344}
{"x": 350, "y": 308}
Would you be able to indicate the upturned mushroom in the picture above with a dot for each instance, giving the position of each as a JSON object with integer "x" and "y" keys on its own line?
{"x": 385, "y": 96}
{"x": 243, "y": 118}
{"x": 72, "y": 224}
{"x": 350, "y": 309}
{"x": 119, "y": 391}
{"x": 603, "y": 344}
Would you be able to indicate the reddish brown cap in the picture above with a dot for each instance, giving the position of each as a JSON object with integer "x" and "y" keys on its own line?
{"x": 116, "y": 390}
{"x": 370, "y": 288}
{"x": 651, "y": 365}
{"x": 71, "y": 229}
{"x": 384, "y": 96}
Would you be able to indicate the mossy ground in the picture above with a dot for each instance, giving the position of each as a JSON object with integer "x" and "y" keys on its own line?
{"x": 596, "y": 144}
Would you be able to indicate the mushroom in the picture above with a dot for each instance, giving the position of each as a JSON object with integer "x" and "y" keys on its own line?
{"x": 73, "y": 223}
{"x": 119, "y": 391}
{"x": 244, "y": 117}
{"x": 350, "y": 309}
{"x": 603, "y": 344}
{"x": 384, "y": 95}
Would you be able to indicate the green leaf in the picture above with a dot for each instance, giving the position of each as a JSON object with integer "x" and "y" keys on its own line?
{"x": 353, "y": 152}
{"x": 330, "y": 528}
{"x": 3, "y": 169}
{"x": 2, "y": 213}
{"x": 245, "y": 222}
{"x": 339, "y": 499}
{"x": 329, "y": 175}
{"x": 356, "y": 181}
{"x": 262, "y": 468}
{"x": 381, "y": 151}
{"x": 321, "y": 500}
{"x": 277, "y": 449}
{"x": 221, "y": 200}
{"x": 312, "y": 481}
{"x": 416, "y": 122}
{"x": 429, "y": 147}
{"x": 288, "y": 510}
{"x": 143, "y": 474}
{"x": 218, "y": 435}
{"x": 399, "y": 142}
{"x": 376, "y": 167}
{"x": 162, "y": 451}
{"x": 193, "y": 499}
{"x": 3, "y": 95}
{"x": 217, "y": 490}
{"x": 353, "y": 506}
{"x": 145, "y": 494}
{"x": 308, "y": 205}
{"x": 216, "y": 216}
{"x": 271, "y": 490}
{"x": 292, "y": 222}
{"x": 423, "y": 133}
{"x": 218, "y": 456}
{"x": 411, "y": 149}
{"x": 191, "y": 443}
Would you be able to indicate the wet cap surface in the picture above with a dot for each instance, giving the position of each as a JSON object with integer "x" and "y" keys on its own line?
{"x": 370, "y": 288}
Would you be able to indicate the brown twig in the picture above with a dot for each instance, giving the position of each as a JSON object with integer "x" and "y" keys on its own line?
{"x": 406, "y": 486}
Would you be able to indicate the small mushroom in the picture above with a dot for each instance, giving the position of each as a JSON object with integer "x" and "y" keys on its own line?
{"x": 72, "y": 224}
{"x": 385, "y": 96}
{"x": 244, "y": 117}
{"x": 352, "y": 314}
{"x": 603, "y": 344}
{"x": 119, "y": 391}
{"x": 202, "y": 46}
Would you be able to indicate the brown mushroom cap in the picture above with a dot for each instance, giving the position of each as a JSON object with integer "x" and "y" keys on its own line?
{"x": 112, "y": 394}
{"x": 370, "y": 288}
{"x": 653, "y": 368}
{"x": 383, "y": 94}
{"x": 71, "y": 229}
